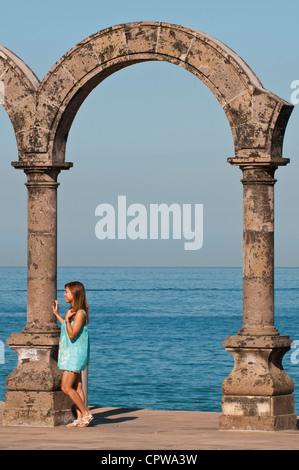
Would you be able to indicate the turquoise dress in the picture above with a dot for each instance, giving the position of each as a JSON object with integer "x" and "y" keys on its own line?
{"x": 73, "y": 354}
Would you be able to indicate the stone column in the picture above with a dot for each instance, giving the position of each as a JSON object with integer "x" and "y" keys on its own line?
{"x": 258, "y": 251}
{"x": 258, "y": 392}
{"x": 34, "y": 396}
{"x": 41, "y": 250}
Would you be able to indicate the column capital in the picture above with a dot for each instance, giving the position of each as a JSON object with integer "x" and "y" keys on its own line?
{"x": 257, "y": 161}
{"x": 258, "y": 170}
{"x": 42, "y": 167}
{"x": 41, "y": 175}
{"x": 37, "y": 178}
{"x": 258, "y": 175}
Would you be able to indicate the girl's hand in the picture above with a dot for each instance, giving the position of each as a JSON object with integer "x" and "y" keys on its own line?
{"x": 69, "y": 314}
{"x": 55, "y": 308}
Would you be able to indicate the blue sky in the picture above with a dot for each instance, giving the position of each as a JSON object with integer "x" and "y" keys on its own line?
{"x": 152, "y": 132}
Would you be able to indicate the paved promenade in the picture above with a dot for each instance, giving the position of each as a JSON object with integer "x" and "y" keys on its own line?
{"x": 141, "y": 429}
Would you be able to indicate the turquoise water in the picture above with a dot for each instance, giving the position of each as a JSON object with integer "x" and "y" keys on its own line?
{"x": 156, "y": 333}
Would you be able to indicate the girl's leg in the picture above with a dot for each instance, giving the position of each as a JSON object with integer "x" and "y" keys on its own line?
{"x": 68, "y": 384}
{"x": 79, "y": 390}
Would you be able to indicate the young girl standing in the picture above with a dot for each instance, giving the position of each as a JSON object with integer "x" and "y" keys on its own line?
{"x": 73, "y": 354}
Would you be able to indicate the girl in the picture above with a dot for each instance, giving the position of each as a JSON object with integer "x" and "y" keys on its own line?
{"x": 73, "y": 354}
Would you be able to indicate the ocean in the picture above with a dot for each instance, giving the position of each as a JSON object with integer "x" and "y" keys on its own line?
{"x": 156, "y": 333}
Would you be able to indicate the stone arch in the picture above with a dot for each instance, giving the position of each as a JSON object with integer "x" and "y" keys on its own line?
{"x": 18, "y": 90}
{"x": 258, "y": 392}
{"x": 257, "y": 117}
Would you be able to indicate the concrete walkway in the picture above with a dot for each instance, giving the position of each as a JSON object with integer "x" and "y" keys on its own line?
{"x": 134, "y": 429}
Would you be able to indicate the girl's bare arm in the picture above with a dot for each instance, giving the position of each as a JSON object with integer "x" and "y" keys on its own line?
{"x": 77, "y": 325}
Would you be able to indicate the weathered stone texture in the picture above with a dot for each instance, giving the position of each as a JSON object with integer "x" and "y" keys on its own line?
{"x": 37, "y": 408}
{"x": 257, "y": 393}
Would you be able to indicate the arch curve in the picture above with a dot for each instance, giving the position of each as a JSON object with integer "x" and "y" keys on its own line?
{"x": 42, "y": 113}
{"x": 18, "y": 87}
{"x": 257, "y": 117}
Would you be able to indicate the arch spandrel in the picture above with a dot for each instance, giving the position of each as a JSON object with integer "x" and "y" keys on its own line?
{"x": 19, "y": 85}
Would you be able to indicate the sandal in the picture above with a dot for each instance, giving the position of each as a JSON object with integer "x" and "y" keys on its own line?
{"x": 74, "y": 424}
{"x": 84, "y": 422}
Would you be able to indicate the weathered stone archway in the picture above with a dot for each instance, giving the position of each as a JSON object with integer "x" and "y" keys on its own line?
{"x": 258, "y": 392}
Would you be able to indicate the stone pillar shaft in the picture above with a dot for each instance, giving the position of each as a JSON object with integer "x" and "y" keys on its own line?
{"x": 42, "y": 250}
{"x": 258, "y": 251}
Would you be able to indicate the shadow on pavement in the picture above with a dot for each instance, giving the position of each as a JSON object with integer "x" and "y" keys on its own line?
{"x": 111, "y": 416}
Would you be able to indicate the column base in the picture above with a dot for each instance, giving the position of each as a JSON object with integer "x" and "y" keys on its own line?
{"x": 37, "y": 363}
{"x": 258, "y": 413}
{"x": 28, "y": 408}
{"x": 258, "y": 367}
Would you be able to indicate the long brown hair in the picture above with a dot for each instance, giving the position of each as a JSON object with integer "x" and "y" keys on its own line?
{"x": 79, "y": 302}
